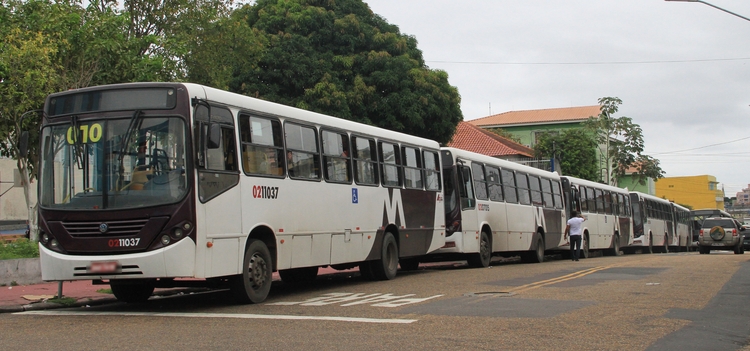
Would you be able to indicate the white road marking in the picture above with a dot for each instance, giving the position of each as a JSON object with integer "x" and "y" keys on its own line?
{"x": 220, "y": 315}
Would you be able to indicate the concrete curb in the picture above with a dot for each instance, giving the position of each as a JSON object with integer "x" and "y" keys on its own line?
{"x": 22, "y": 271}
{"x": 88, "y": 302}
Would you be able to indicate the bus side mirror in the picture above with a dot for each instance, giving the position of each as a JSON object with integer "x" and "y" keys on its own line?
{"x": 214, "y": 136}
{"x": 23, "y": 144}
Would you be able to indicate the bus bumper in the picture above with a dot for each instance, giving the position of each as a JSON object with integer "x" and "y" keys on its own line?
{"x": 177, "y": 260}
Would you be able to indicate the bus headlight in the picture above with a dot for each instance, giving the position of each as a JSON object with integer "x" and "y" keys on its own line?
{"x": 54, "y": 244}
{"x": 45, "y": 238}
{"x": 177, "y": 233}
{"x": 165, "y": 240}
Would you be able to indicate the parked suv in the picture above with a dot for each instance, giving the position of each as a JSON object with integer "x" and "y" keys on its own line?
{"x": 720, "y": 233}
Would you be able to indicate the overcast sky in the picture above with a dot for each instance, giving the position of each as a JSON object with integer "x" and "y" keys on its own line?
{"x": 681, "y": 69}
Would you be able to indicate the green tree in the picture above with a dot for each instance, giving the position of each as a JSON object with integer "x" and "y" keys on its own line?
{"x": 27, "y": 75}
{"x": 575, "y": 149}
{"x": 622, "y": 140}
{"x": 341, "y": 59}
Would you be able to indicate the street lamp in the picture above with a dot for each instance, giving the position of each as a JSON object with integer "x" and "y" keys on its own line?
{"x": 714, "y": 6}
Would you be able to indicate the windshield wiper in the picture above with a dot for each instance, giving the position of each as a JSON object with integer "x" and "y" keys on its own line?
{"x": 77, "y": 146}
{"x": 133, "y": 125}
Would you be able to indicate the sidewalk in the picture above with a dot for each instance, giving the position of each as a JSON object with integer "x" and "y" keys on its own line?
{"x": 36, "y": 296}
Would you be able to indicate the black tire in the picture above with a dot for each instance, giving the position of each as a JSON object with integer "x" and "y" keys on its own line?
{"x": 615, "y": 249}
{"x": 409, "y": 264}
{"x": 132, "y": 292}
{"x": 386, "y": 267}
{"x": 650, "y": 248}
{"x": 536, "y": 256}
{"x": 665, "y": 247}
{"x": 705, "y": 250}
{"x": 254, "y": 284}
{"x": 738, "y": 248}
{"x": 483, "y": 257}
{"x": 585, "y": 247}
{"x": 304, "y": 275}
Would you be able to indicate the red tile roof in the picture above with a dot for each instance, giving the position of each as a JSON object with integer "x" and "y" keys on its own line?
{"x": 475, "y": 139}
{"x": 544, "y": 116}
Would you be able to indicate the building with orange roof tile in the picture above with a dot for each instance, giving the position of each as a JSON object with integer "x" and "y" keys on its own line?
{"x": 528, "y": 124}
{"x": 475, "y": 139}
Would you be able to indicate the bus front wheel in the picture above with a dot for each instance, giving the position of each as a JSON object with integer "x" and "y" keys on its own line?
{"x": 585, "y": 250}
{"x": 254, "y": 284}
{"x": 483, "y": 257}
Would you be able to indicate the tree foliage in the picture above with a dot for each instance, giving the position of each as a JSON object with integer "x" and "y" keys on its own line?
{"x": 340, "y": 58}
{"x": 574, "y": 149}
{"x": 623, "y": 140}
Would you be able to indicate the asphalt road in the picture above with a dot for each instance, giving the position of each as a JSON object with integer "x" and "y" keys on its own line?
{"x": 676, "y": 301}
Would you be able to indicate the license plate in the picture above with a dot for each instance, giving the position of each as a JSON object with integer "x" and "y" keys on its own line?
{"x": 718, "y": 244}
{"x": 103, "y": 267}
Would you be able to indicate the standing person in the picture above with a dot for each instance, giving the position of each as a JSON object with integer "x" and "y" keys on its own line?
{"x": 574, "y": 229}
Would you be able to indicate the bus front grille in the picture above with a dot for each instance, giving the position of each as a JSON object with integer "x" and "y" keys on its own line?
{"x": 109, "y": 228}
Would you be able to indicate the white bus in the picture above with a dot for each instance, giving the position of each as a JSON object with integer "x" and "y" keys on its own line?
{"x": 609, "y": 223}
{"x": 141, "y": 185}
{"x": 682, "y": 238}
{"x": 652, "y": 223}
{"x": 498, "y": 207}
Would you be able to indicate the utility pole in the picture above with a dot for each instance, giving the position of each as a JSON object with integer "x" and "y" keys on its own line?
{"x": 714, "y": 6}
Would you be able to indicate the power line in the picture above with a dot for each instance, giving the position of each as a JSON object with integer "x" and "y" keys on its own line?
{"x": 589, "y": 63}
{"x": 700, "y": 147}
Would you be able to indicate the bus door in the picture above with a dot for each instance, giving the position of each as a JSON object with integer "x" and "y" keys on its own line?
{"x": 219, "y": 206}
{"x": 468, "y": 203}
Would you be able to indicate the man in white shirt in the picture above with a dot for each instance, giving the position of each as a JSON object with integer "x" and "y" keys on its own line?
{"x": 574, "y": 229}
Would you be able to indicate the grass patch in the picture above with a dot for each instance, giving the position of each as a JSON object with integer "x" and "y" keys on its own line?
{"x": 105, "y": 291}
{"x": 21, "y": 248}
{"x": 65, "y": 301}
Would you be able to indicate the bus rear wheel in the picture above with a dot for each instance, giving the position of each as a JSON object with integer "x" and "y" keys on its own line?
{"x": 483, "y": 257}
{"x": 132, "y": 292}
{"x": 585, "y": 247}
{"x": 615, "y": 249}
{"x": 386, "y": 267}
{"x": 536, "y": 256}
{"x": 254, "y": 284}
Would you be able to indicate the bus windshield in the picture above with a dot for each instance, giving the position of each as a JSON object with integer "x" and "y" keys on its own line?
{"x": 113, "y": 164}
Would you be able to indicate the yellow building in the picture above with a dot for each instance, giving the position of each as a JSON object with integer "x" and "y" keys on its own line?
{"x": 695, "y": 191}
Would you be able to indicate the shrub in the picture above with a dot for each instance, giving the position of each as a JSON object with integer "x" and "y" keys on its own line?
{"x": 21, "y": 248}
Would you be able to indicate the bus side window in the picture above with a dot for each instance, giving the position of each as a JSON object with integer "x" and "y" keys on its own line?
{"x": 522, "y": 184}
{"x": 557, "y": 195}
{"x": 412, "y": 168}
{"x": 302, "y": 156}
{"x": 431, "y": 171}
{"x": 466, "y": 191}
{"x": 480, "y": 183}
{"x": 262, "y": 146}
{"x": 390, "y": 165}
{"x": 509, "y": 186}
{"x": 494, "y": 184}
{"x": 336, "y": 154}
{"x": 365, "y": 161}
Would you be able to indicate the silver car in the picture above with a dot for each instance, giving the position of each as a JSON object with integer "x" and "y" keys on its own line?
{"x": 721, "y": 233}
